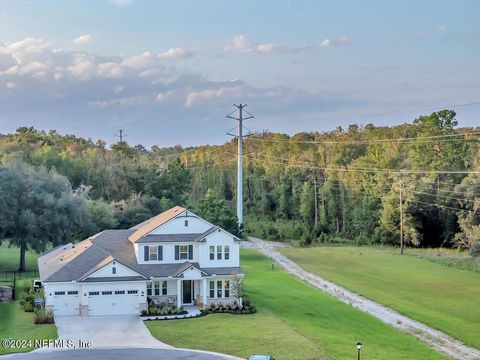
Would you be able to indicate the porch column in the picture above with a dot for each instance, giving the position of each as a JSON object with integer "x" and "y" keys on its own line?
{"x": 179, "y": 293}
{"x": 204, "y": 292}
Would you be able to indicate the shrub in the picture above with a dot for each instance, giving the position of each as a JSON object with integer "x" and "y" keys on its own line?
{"x": 43, "y": 316}
{"x": 475, "y": 249}
{"x": 28, "y": 295}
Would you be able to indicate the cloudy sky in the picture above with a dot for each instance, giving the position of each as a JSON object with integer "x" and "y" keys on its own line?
{"x": 169, "y": 71}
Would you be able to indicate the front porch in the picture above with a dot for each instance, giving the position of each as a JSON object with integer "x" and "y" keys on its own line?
{"x": 190, "y": 292}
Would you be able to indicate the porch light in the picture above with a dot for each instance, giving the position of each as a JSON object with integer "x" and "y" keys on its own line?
{"x": 143, "y": 293}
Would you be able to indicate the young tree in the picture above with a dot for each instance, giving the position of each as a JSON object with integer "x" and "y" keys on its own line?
{"x": 217, "y": 212}
{"x": 38, "y": 208}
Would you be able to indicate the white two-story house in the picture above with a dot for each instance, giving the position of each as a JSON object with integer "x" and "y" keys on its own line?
{"x": 175, "y": 258}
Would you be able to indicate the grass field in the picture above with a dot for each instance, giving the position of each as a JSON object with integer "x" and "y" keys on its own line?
{"x": 443, "y": 297}
{"x": 14, "y": 322}
{"x": 294, "y": 321}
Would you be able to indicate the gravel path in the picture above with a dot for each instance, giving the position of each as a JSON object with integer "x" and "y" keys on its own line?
{"x": 434, "y": 338}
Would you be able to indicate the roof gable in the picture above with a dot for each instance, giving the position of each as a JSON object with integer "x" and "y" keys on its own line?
{"x": 104, "y": 263}
{"x": 187, "y": 266}
{"x": 153, "y": 223}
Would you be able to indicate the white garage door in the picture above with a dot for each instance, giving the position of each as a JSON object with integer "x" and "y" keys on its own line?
{"x": 113, "y": 302}
{"x": 66, "y": 303}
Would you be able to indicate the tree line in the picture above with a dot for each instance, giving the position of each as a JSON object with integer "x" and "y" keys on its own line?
{"x": 335, "y": 186}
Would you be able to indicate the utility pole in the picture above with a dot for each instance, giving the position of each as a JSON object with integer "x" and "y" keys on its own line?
{"x": 316, "y": 198}
{"x": 240, "y": 109}
{"x": 401, "y": 216}
{"x": 121, "y": 135}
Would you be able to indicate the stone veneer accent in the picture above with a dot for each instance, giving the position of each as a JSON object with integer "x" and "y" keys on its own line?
{"x": 224, "y": 301}
{"x": 83, "y": 310}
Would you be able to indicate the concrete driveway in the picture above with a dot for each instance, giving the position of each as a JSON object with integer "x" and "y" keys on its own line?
{"x": 108, "y": 331}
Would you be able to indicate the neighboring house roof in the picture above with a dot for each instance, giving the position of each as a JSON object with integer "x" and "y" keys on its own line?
{"x": 151, "y": 224}
{"x": 194, "y": 237}
{"x": 84, "y": 258}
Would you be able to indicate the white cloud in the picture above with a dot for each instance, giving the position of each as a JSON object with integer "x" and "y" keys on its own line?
{"x": 164, "y": 96}
{"x": 35, "y": 68}
{"x": 110, "y": 70}
{"x": 140, "y": 61}
{"x": 342, "y": 40}
{"x": 196, "y": 96}
{"x": 10, "y": 85}
{"x": 242, "y": 44}
{"x": 176, "y": 53}
{"x": 83, "y": 39}
{"x": 239, "y": 43}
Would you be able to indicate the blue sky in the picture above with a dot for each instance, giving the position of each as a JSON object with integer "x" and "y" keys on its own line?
{"x": 169, "y": 71}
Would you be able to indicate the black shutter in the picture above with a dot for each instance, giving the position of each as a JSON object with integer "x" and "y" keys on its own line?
{"x": 160, "y": 252}
{"x": 177, "y": 252}
{"x": 145, "y": 253}
{"x": 190, "y": 252}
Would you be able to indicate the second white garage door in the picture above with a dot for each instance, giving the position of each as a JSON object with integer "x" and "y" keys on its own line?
{"x": 113, "y": 302}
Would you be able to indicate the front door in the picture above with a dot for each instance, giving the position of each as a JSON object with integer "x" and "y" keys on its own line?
{"x": 187, "y": 291}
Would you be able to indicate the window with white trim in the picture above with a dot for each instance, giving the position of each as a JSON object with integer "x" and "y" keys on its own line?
{"x": 212, "y": 289}
{"x": 219, "y": 288}
{"x": 114, "y": 270}
{"x": 149, "y": 289}
{"x": 59, "y": 292}
{"x": 212, "y": 252}
{"x": 183, "y": 252}
{"x": 219, "y": 252}
{"x": 164, "y": 288}
{"x": 153, "y": 253}
{"x": 226, "y": 252}
{"x": 156, "y": 284}
{"x": 226, "y": 285}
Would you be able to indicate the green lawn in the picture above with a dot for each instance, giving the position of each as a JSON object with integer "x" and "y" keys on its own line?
{"x": 443, "y": 297}
{"x": 294, "y": 321}
{"x": 10, "y": 258}
{"x": 17, "y": 324}
{"x": 14, "y": 322}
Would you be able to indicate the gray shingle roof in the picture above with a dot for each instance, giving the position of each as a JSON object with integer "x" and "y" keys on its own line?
{"x": 194, "y": 237}
{"x": 116, "y": 278}
{"x": 115, "y": 243}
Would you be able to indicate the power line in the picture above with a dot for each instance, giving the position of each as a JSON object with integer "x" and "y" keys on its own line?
{"x": 442, "y": 196}
{"x": 370, "y": 170}
{"x": 366, "y": 142}
{"x": 442, "y": 206}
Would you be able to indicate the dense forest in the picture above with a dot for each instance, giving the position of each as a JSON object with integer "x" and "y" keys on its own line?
{"x": 337, "y": 186}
